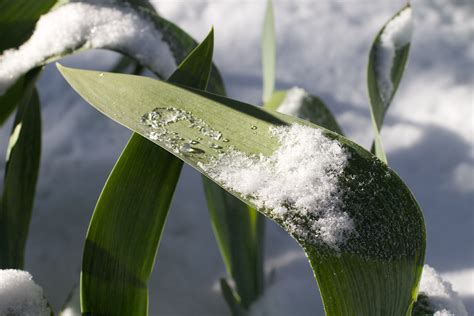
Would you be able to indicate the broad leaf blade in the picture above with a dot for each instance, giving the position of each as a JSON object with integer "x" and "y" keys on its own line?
{"x": 384, "y": 71}
{"x": 376, "y": 271}
{"x": 268, "y": 53}
{"x": 128, "y": 220}
{"x": 21, "y": 173}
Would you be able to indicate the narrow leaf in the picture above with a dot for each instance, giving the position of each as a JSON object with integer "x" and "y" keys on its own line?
{"x": 387, "y": 60}
{"x": 21, "y": 172}
{"x": 128, "y": 220}
{"x": 374, "y": 272}
{"x": 268, "y": 53}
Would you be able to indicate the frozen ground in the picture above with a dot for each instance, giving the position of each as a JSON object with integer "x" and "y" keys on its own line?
{"x": 323, "y": 47}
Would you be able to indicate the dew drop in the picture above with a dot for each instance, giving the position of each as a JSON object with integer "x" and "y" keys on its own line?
{"x": 225, "y": 140}
{"x": 101, "y": 74}
{"x": 153, "y": 135}
{"x": 194, "y": 142}
{"x": 215, "y": 146}
{"x": 187, "y": 149}
{"x": 253, "y": 127}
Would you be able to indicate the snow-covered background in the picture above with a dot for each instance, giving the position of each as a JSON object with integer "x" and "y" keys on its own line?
{"x": 323, "y": 47}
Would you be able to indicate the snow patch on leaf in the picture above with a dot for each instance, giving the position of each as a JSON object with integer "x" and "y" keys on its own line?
{"x": 99, "y": 24}
{"x": 297, "y": 184}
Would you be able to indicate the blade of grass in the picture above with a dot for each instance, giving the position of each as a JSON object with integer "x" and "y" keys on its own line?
{"x": 380, "y": 96}
{"x": 21, "y": 173}
{"x": 376, "y": 272}
{"x": 128, "y": 220}
{"x": 268, "y": 53}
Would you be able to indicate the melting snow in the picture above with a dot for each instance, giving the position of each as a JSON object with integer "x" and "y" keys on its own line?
{"x": 20, "y": 295}
{"x": 298, "y": 183}
{"x": 103, "y": 24}
{"x": 441, "y": 296}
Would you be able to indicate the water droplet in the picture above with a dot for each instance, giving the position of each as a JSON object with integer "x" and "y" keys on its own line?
{"x": 187, "y": 149}
{"x": 253, "y": 127}
{"x": 225, "y": 140}
{"x": 101, "y": 74}
{"x": 194, "y": 142}
{"x": 153, "y": 135}
{"x": 215, "y": 146}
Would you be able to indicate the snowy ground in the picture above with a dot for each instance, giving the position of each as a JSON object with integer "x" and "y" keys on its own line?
{"x": 323, "y": 47}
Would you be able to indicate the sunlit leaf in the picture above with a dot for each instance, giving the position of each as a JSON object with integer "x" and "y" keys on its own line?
{"x": 375, "y": 272}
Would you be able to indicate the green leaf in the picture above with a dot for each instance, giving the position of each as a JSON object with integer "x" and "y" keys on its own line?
{"x": 268, "y": 53}
{"x": 311, "y": 109}
{"x": 21, "y": 173}
{"x": 375, "y": 272}
{"x": 379, "y": 94}
{"x": 128, "y": 220}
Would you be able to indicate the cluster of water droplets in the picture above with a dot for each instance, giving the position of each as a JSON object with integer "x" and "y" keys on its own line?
{"x": 157, "y": 122}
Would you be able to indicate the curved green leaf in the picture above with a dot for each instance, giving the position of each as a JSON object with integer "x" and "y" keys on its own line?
{"x": 21, "y": 173}
{"x": 375, "y": 272}
{"x": 381, "y": 89}
{"x": 128, "y": 220}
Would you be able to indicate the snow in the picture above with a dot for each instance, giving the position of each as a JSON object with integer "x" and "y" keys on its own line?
{"x": 293, "y": 102}
{"x": 300, "y": 179}
{"x": 326, "y": 56}
{"x": 442, "y": 299}
{"x": 395, "y": 35}
{"x": 20, "y": 295}
{"x": 100, "y": 24}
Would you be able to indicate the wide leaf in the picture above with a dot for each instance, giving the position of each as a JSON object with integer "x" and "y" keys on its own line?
{"x": 375, "y": 272}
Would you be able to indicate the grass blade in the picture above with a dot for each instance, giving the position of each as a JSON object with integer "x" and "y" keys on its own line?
{"x": 268, "y": 53}
{"x": 21, "y": 173}
{"x": 375, "y": 272}
{"x": 387, "y": 60}
{"x": 128, "y": 220}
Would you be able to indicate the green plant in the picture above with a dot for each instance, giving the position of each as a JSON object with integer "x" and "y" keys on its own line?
{"x": 178, "y": 121}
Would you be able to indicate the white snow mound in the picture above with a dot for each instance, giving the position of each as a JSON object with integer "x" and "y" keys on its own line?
{"x": 20, "y": 295}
